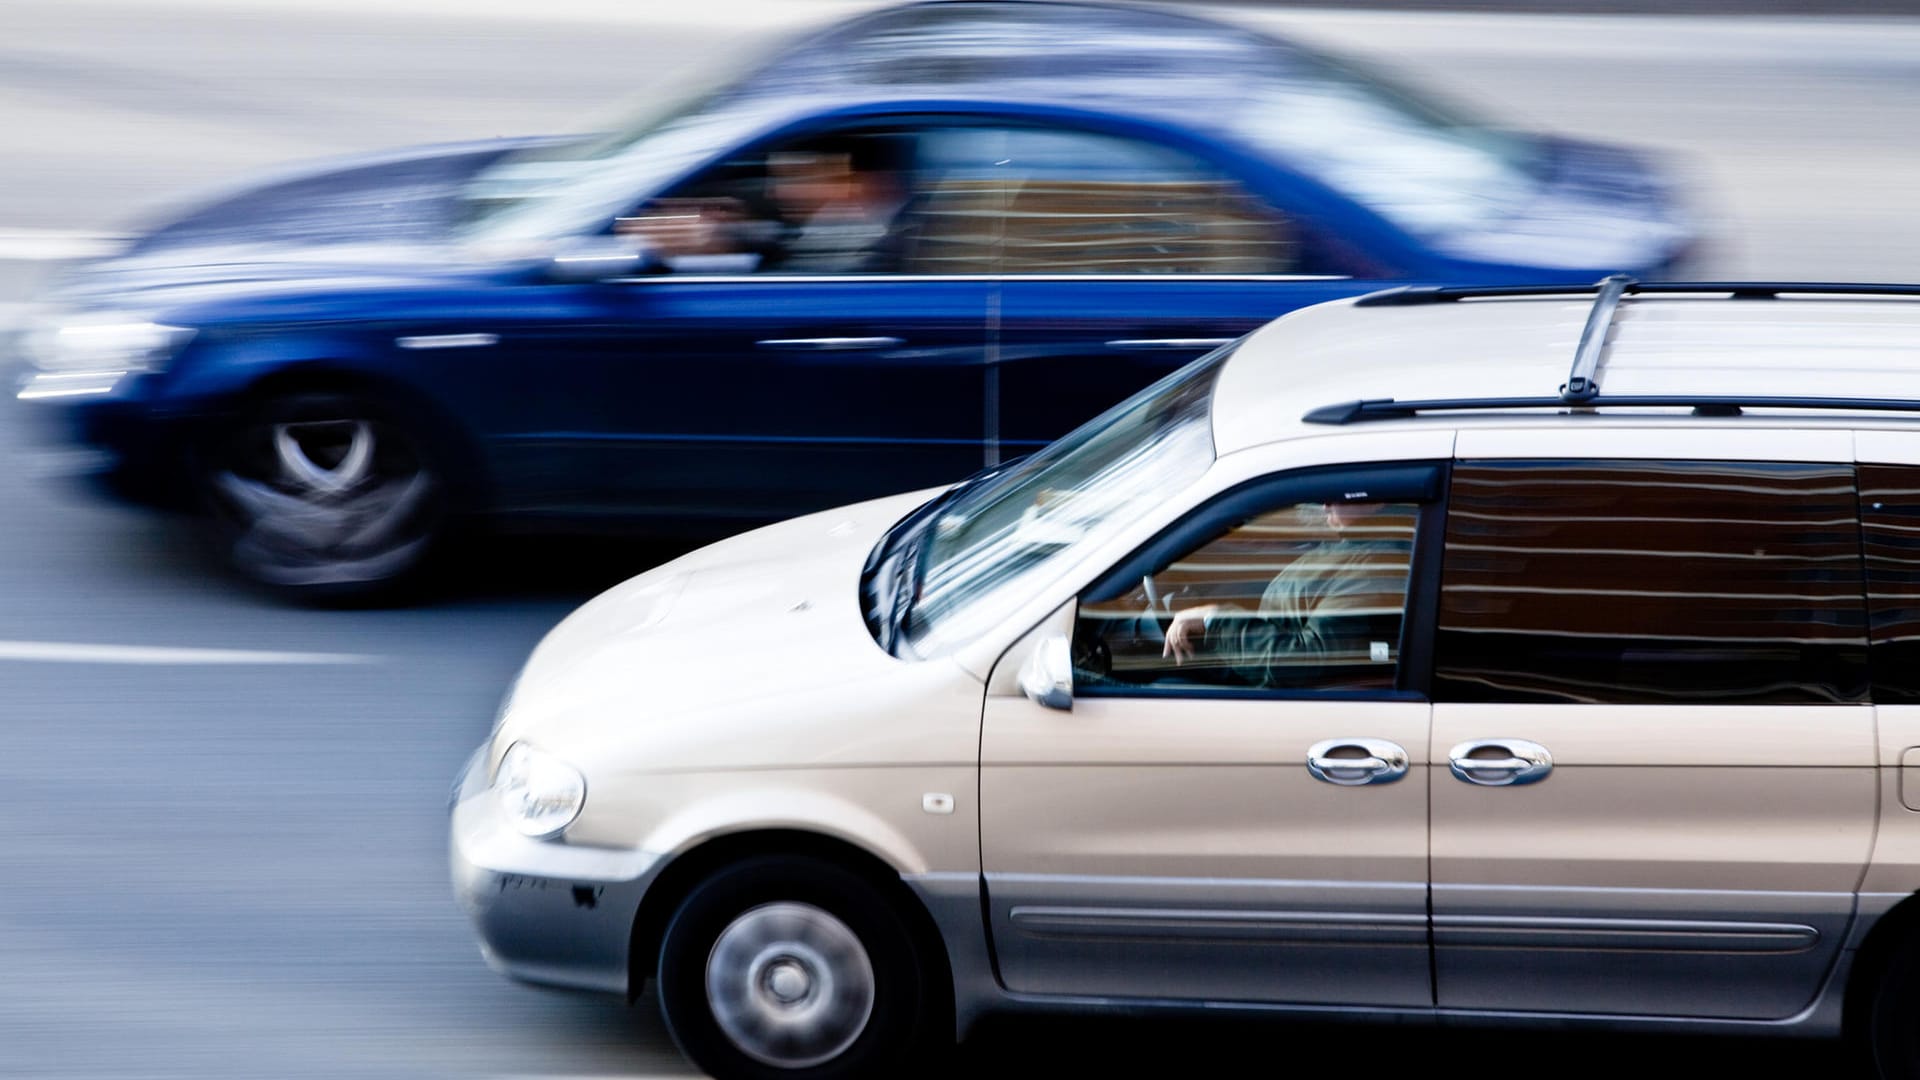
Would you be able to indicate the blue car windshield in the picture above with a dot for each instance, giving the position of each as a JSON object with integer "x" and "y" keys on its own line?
{"x": 984, "y": 554}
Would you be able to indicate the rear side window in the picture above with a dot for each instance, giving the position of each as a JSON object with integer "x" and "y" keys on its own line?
{"x": 1045, "y": 201}
{"x": 1890, "y": 532}
{"x": 1639, "y": 582}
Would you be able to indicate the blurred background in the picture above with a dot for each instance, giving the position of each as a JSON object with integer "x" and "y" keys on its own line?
{"x": 225, "y": 836}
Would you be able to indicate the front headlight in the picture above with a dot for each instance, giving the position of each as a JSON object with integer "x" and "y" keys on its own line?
{"x": 101, "y": 343}
{"x": 538, "y": 792}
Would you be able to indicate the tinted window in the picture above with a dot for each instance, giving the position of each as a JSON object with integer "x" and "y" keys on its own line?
{"x": 1890, "y": 531}
{"x": 1030, "y": 201}
{"x": 1305, "y": 597}
{"x": 1642, "y": 582}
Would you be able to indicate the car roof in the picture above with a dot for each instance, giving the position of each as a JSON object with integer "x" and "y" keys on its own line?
{"x": 1143, "y": 61}
{"x": 1478, "y": 350}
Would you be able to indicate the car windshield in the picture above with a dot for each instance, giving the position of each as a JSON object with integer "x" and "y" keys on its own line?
{"x": 984, "y": 554}
{"x": 1424, "y": 168}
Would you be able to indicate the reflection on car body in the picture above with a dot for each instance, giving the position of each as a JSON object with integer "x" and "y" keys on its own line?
{"x": 898, "y": 250}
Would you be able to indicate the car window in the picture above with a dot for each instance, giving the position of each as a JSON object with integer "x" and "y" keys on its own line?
{"x": 1051, "y": 201}
{"x": 1890, "y": 535}
{"x": 824, "y": 204}
{"x": 1309, "y": 596}
{"x": 1647, "y": 582}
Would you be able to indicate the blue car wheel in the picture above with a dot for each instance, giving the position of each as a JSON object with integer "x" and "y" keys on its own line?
{"x": 323, "y": 496}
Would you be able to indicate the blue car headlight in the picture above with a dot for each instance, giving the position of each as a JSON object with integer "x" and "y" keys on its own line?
{"x": 74, "y": 355}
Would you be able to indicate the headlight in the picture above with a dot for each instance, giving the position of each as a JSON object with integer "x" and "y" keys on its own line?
{"x": 102, "y": 343}
{"x": 538, "y": 792}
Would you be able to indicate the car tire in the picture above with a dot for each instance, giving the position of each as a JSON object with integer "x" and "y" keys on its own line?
{"x": 789, "y": 967}
{"x": 1891, "y": 1040}
{"x": 323, "y": 496}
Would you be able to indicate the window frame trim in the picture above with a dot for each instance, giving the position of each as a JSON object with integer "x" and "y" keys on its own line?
{"x": 1421, "y": 481}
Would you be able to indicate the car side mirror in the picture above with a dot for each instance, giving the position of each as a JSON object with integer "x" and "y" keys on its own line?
{"x": 1047, "y": 676}
{"x": 602, "y": 258}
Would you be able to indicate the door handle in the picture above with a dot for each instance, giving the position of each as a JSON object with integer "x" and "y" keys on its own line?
{"x": 1523, "y": 762}
{"x": 1365, "y": 761}
{"x": 1167, "y": 343}
{"x": 830, "y": 344}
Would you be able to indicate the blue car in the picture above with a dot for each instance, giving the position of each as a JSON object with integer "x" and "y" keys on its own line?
{"x": 903, "y": 249}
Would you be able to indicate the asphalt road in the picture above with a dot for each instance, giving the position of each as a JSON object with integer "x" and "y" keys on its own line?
{"x": 224, "y": 834}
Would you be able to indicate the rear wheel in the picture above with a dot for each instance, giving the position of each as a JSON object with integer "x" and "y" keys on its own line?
{"x": 324, "y": 496}
{"x": 784, "y": 966}
{"x": 1893, "y": 1015}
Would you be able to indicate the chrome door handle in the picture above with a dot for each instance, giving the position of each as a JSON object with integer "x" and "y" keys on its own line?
{"x": 1149, "y": 344}
{"x": 1366, "y": 761}
{"x": 1524, "y": 762}
{"x": 830, "y": 344}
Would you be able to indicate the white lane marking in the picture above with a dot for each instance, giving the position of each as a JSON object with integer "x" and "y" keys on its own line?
{"x": 68, "y": 652}
{"x": 47, "y": 245}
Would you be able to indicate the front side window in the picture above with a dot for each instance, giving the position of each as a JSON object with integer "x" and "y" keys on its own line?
{"x": 1633, "y": 582}
{"x": 1309, "y": 596}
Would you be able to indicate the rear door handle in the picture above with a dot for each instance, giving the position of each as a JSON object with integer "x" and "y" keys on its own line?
{"x": 1506, "y": 762}
{"x": 1360, "y": 761}
{"x": 830, "y": 344}
{"x": 1167, "y": 343}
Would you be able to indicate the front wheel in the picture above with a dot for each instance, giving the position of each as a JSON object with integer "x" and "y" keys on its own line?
{"x": 323, "y": 496}
{"x": 784, "y": 966}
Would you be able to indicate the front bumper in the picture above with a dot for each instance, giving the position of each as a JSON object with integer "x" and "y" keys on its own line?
{"x": 546, "y": 912}
{"x": 108, "y": 442}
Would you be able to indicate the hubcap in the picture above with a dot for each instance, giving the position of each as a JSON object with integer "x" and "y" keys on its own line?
{"x": 790, "y": 985}
{"x": 325, "y": 501}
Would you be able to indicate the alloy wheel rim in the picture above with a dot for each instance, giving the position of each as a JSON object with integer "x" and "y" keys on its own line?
{"x": 790, "y": 985}
{"x": 326, "y": 502}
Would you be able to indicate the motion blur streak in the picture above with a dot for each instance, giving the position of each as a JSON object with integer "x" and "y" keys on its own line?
{"x": 73, "y": 653}
{"x": 239, "y": 870}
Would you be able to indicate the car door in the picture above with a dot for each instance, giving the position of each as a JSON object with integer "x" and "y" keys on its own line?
{"x": 751, "y": 380}
{"x": 1119, "y": 258}
{"x": 1246, "y": 824}
{"x": 1653, "y": 754}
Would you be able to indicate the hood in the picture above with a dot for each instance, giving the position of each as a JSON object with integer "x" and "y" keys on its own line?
{"x": 692, "y": 659}
{"x": 1598, "y": 209}
{"x": 358, "y": 221}
{"x": 398, "y": 196}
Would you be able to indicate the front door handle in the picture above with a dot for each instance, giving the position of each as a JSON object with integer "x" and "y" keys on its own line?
{"x": 1167, "y": 343}
{"x": 1354, "y": 762}
{"x": 830, "y": 344}
{"x": 1500, "y": 762}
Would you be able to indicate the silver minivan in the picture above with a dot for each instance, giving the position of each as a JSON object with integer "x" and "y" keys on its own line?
{"x": 1380, "y": 663}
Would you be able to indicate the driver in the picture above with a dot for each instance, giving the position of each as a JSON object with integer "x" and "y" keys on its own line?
{"x": 1309, "y": 613}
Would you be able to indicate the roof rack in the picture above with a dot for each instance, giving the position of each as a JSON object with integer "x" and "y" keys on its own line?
{"x": 1580, "y": 385}
{"x": 1408, "y": 295}
{"x": 1582, "y": 388}
{"x": 1348, "y": 412}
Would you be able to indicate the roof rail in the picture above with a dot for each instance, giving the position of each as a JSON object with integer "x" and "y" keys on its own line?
{"x": 1408, "y": 295}
{"x": 1348, "y": 412}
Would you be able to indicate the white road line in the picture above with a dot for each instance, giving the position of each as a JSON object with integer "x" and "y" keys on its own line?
{"x": 66, "y": 652}
{"x": 46, "y": 245}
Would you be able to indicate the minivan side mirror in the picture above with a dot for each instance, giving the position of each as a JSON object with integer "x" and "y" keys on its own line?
{"x": 601, "y": 258}
{"x": 1047, "y": 676}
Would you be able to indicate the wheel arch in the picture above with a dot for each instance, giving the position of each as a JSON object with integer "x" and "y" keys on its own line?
{"x": 1875, "y": 952}
{"x": 689, "y": 868}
